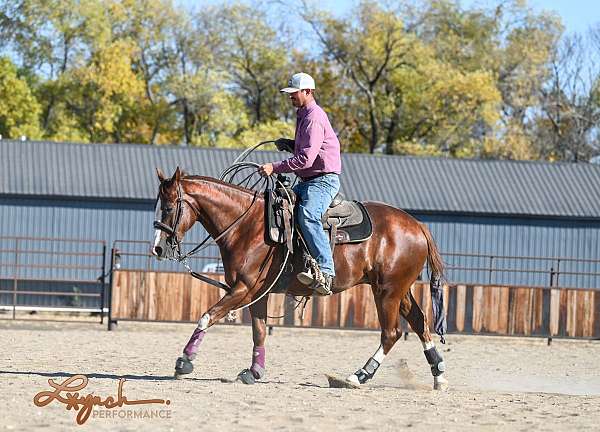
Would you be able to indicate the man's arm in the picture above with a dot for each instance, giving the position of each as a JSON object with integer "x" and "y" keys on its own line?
{"x": 307, "y": 148}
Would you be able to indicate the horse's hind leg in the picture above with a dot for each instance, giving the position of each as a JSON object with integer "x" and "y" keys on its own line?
{"x": 411, "y": 311}
{"x": 387, "y": 303}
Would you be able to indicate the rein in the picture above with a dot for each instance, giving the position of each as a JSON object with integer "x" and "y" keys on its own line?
{"x": 175, "y": 244}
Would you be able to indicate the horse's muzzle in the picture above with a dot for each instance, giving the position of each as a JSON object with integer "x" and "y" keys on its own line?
{"x": 164, "y": 247}
{"x": 157, "y": 251}
{"x": 159, "y": 247}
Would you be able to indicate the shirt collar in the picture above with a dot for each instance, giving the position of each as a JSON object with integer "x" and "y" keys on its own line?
{"x": 302, "y": 111}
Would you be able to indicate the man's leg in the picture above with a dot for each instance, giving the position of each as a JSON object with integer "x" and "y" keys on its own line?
{"x": 315, "y": 197}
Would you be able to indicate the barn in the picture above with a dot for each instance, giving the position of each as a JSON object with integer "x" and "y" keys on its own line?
{"x": 503, "y": 222}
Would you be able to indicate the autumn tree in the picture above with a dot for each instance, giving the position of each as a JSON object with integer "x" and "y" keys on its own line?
{"x": 568, "y": 126}
{"x": 100, "y": 93}
{"x": 510, "y": 42}
{"x": 149, "y": 28}
{"x": 19, "y": 109}
{"x": 422, "y": 77}
{"x": 256, "y": 58}
{"x": 404, "y": 98}
{"x": 366, "y": 48}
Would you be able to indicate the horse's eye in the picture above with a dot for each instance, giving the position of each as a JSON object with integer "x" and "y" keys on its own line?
{"x": 167, "y": 209}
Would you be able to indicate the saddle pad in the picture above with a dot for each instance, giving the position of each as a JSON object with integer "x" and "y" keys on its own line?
{"x": 345, "y": 214}
{"x": 356, "y": 233}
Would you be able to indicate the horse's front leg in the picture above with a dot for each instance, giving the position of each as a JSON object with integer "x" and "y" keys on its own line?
{"x": 235, "y": 298}
{"x": 258, "y": 311}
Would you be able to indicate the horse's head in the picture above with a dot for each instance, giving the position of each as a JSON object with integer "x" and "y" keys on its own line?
{"x": 175, "y": 217}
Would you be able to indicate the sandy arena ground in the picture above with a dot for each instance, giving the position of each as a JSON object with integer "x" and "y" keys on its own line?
{"x": 496, "y": 383}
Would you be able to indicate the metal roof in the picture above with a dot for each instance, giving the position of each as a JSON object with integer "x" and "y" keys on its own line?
{"x": 425, "y": 184}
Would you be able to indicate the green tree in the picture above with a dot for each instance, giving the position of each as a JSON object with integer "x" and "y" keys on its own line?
{"x": 19, "y": 109}
{"x": 511, "y": 42}
{"x": 403, "y": 97}
{"x": 194, "y": 84}
{"x": 256, "y": 58}
{"x": 49, "y": 37}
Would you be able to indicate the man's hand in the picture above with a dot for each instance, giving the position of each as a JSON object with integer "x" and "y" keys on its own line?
{"x": 266, "y": 170}
{"x": 284, "y": 144}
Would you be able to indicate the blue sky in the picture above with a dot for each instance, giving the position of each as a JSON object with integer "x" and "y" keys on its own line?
{"x": 576, "y": 15}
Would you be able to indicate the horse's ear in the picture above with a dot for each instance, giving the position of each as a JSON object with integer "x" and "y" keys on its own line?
{"x": 177, "y": 175}
{"x": 161, "y": 175}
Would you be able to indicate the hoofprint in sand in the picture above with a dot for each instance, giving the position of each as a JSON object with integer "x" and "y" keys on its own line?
{"x": 496, "y": 383}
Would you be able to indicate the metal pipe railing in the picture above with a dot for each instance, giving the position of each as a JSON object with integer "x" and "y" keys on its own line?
{"x": 45, "y": 267}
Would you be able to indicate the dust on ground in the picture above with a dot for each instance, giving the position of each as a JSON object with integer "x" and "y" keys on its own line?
{"x": 496, "y": 383}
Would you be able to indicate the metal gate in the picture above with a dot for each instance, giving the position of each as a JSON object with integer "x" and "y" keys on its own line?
{"x": 55, "y": 275}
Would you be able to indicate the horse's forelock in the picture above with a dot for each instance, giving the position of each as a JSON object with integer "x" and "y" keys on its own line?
{"x": 164, "y": 186}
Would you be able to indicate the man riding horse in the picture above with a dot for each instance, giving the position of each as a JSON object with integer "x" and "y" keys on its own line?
{"x": 317, "y": 162}
{"x": 389, "y": 260}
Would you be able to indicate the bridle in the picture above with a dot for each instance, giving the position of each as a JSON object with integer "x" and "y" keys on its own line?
{"x": 171, "y": 231}
{"x": 175, "y": 244}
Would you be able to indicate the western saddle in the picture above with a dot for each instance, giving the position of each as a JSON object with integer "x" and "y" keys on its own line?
{"x": 346, "y": 221}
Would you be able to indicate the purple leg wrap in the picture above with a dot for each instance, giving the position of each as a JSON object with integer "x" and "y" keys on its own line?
{"x": 258, "y": 362}
{"x": 191, "y": 348}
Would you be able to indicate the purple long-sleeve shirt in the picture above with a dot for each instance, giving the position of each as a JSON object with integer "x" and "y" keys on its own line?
{"x": 316, "y": 149}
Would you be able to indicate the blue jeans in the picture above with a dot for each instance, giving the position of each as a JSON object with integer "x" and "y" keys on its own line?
{"x": 314, "y": 197}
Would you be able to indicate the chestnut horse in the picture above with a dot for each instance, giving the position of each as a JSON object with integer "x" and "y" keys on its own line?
{"x": 390, "y": 261}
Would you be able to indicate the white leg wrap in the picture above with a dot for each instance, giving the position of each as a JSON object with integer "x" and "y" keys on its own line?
{"x": 204, "y": 320}
{"x": 157, "y": 234}
{"x": 379, "y": 355}
{"x": 427, "y": 345}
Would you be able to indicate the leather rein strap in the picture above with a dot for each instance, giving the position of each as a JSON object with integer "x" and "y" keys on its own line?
{"x": 171, "y": 232}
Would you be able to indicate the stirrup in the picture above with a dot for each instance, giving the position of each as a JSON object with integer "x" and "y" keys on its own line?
{"x": 306, "y": 278}
{"x": 322, "y": 287}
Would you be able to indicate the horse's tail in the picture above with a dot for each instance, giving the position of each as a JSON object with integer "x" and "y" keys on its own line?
{"x": 436, "y": 264}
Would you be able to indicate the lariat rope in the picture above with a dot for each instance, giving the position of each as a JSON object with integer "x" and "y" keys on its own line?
{"x": 235, "y": 168}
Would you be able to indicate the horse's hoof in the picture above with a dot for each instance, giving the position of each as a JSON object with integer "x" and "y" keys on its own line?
{"x": 183, "y": 367}
{"x": 246, "y": 377}
{"x": 348, "y": 383}
{"x": 440, "y": 383}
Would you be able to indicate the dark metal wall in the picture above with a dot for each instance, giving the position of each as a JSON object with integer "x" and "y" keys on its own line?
{"x": 455, "y": 234}
{"x": 576, "y": 240}
{"x": 78, "y": 219}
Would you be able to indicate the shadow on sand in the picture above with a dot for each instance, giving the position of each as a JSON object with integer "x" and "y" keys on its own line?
{"x": 105, "y": 376}
{"x": 128, "y": 377}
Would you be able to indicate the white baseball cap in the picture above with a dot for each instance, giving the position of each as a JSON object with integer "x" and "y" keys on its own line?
{"x": 299, "y": 81}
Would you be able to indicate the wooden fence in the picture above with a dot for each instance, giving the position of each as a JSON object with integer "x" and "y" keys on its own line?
{"x": 520, "y": 311}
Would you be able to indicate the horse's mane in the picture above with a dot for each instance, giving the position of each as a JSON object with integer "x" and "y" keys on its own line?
{"x": 217, "y": 181}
